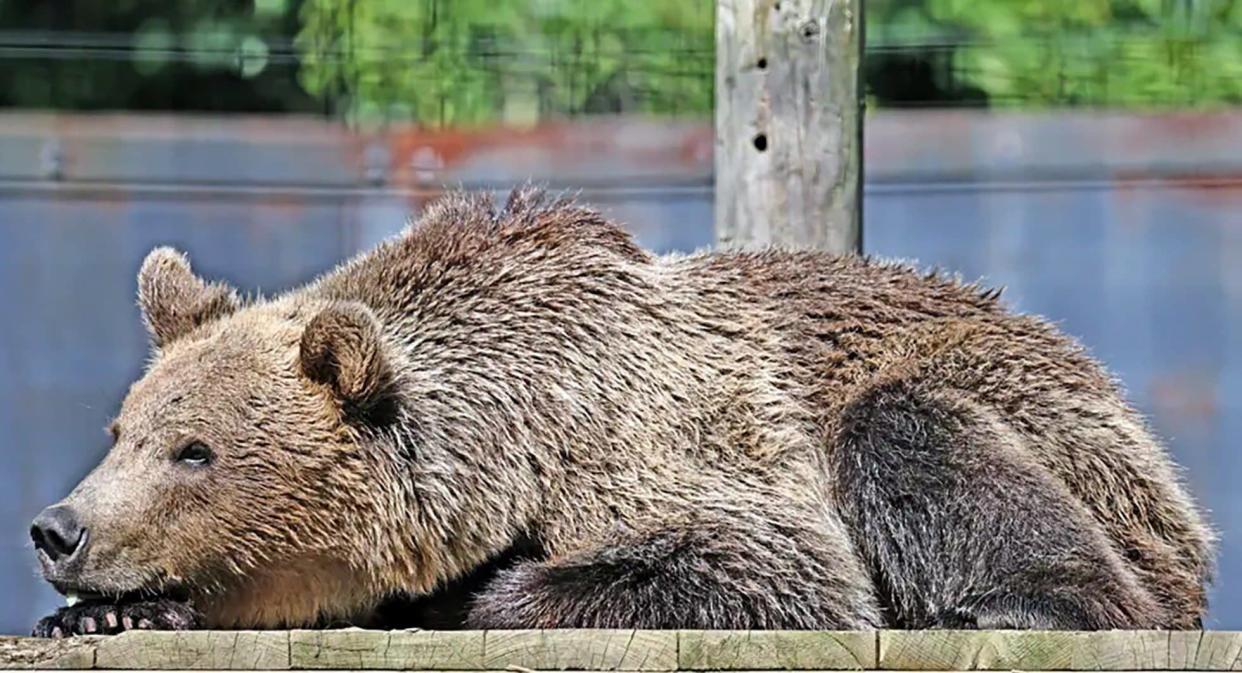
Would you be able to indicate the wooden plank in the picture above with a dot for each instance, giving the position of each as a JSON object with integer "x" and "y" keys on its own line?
{"x": 587, "y": 649}
{"x": 1158, "y": 651}
{"x": 1218, "y": 651}
{"x": 357, "y": 649}
{"x": 788, "y": 122}
{"x": 195, "y": 650}
{"x": 1060, "y": 651}
{"x": 625, "y": 650}
{"x": 975, "y": 650}
{"x": 776, "y": 650}
{"x": 27, "y": 653}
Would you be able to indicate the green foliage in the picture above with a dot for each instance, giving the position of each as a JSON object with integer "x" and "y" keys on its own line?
{"x": 470, "y": 61}
{"x": 475, "y": 61}
{"x": 149, "y": 54}
{"x": 1071, "y": 52}
{"x": 514, "y": 61}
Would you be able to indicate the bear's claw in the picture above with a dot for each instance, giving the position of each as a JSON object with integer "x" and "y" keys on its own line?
{"x": 93, "y": 618}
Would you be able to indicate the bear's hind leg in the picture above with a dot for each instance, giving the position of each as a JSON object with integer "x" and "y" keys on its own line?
{"x": 729, "y": 571}
{"x": 963, "y": 529}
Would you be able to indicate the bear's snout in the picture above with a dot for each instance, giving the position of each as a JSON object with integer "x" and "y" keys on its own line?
{"x": 58, "y": 532}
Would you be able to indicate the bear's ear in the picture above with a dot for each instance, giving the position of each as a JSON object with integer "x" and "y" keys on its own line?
{"x": 342, "y": 348}
{"x": 174, "y": 301}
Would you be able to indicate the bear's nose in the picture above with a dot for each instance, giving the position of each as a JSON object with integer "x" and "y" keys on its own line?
{"x": 57, "y": 532}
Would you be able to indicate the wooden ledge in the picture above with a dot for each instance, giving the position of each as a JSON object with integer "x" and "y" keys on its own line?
{"x": 627, "y": 650}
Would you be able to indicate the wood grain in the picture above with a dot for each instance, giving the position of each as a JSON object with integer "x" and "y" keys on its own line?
{"x": 1060, "y": 651}
{"x": 194, "y": 650}
{"x": 776, "y": 650}
{"x": 638, "y": 651}
{"x": 595, "y": 650}
{"x": 788, "y": 123}
{"x": 357, "y": 649}
{"x": 26, "y": 653}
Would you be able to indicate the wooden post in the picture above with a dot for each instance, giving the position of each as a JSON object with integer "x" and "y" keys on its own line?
{"x": 788, "y": 121}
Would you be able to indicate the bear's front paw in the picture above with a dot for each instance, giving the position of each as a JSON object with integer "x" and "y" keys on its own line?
{"x": 108, "y": 618}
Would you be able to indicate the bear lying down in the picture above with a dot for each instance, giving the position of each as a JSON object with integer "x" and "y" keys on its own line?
{"x": 516, "y": 418}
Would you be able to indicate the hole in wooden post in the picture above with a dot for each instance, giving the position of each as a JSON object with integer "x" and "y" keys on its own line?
{"x": 810, "y": 31}
{"x": 762, "y": 64}
{"x": 761, "y": 142}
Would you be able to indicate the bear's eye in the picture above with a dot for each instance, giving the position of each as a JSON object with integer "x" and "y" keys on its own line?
{"x": 194, "y": 453}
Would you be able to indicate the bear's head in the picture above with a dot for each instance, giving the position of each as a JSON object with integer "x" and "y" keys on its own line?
{"x": 247, "y": 472}
{"x": 400, "y": 423}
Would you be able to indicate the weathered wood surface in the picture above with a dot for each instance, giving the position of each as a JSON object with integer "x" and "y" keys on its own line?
{"x": 604, "y": 650}
{"x": 788, "y": 123}
{"x": 776, "y": 650}
{"x": 75, "y": 653}
{"x": 392, "y": 650}
{"x": 195, "y": 650}
{"x": 1060, "y": 651}
{"x": 639, "y": 651}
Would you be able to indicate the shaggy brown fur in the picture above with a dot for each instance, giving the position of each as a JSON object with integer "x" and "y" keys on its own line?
{"x": 726, "y": 440}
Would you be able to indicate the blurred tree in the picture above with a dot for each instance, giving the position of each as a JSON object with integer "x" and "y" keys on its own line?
{"x": 469, "y": 61}
{"x": 1063, "y": 52}
{"x": 217, "y": 55}
{"x": 479, "y": 61}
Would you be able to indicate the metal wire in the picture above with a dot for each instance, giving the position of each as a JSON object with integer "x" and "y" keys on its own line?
{"x": 558, "y": 68}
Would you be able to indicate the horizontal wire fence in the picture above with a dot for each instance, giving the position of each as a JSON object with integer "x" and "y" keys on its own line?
{"x": 479, "y": 76}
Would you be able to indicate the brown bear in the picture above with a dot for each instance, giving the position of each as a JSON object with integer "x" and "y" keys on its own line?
{"x": 587, "y": 435}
